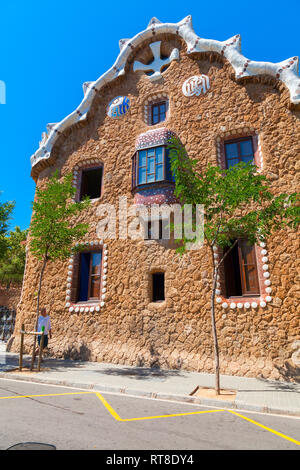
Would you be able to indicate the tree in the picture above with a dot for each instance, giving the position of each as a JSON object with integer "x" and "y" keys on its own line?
{"x": 13, "y": 264}
{"x": 52, "y": 231}
{"x": 6, "y": 209}
{"x": 237, "y": 203}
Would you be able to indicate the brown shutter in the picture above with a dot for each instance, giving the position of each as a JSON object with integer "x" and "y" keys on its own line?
{"x": 248, "y": 268}
{"x": 133, "y": 175}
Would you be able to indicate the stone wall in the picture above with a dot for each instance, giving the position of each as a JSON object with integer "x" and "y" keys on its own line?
{"x": 10, "y": 295}
{"x": 129, "y": 328}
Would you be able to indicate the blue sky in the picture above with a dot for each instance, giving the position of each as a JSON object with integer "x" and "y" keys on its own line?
{"x": 48, "y": 49}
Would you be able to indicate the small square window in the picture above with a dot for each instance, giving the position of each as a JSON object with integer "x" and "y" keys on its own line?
{"x": 151, "y": 230}
{"x": 158, "y": 287}
{"x": 239, "y": 150}
{"x": 91, "y": 181}
{"x": 158, "y": 112}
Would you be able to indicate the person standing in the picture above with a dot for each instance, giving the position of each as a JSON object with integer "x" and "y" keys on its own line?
{"x": 44, "y": 320}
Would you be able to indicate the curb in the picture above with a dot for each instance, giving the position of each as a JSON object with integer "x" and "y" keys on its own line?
{"x": 236, "y": 405}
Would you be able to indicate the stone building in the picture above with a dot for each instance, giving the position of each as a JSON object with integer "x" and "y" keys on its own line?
{"x": 136, "y": 301}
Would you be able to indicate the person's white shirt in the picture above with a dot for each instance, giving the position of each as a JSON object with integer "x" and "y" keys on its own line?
{"x": 44, "y": 321}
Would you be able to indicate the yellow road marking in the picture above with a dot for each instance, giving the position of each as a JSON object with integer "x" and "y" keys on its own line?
{"x": 118, "y": 418}
{"x": 46, "y": 395}
{"x": 265, "y": 427}
{"x": 172, "y": 415}
{"x": 108, "y": 407}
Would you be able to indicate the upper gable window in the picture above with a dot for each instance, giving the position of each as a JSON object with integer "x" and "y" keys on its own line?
{"x": 156, "y": 109}
{"x": 91, "y": 182}
{"x": 239, "y": 150}
{"x": 158, "y": 112}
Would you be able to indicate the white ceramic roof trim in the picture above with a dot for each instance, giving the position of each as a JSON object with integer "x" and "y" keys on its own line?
{"x": 230, "y": 48}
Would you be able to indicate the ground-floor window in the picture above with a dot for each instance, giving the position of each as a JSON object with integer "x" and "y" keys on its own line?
{"x": 89, "y": 276}
{"x": 151, "y": 233}
{"x": 158, "y": 287}
{"x": 240, "y": 269}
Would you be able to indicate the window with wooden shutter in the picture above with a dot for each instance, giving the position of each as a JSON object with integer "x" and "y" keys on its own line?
{"x": 240, "y": 269}
{"x": 248, "y": 268}
{"x": 133, "y": 175}
{"x": 89, "y": 276}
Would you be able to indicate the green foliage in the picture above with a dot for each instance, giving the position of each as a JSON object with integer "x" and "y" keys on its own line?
{"x": 6, "y": 209}
{"x": 237, "y": 202}
{"x": 52, "y": 231}
{"x": 13, "y": 264}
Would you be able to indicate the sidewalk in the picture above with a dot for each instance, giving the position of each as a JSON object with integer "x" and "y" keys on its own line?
{"x": 252, "y": 394}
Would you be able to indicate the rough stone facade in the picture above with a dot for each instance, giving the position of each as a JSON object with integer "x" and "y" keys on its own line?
{"x": 176, "y": 333}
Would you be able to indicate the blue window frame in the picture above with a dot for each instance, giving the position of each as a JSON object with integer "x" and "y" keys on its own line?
{"x": 239, "y": 150}
{"x": 150, "y": 166}
{"x": 90, "y": 276}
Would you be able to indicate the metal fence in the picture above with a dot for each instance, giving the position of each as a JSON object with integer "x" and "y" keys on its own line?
{"x": 7, "y": 323}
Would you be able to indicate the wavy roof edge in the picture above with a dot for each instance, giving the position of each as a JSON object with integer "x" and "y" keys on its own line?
{"x": 286, "y": 71}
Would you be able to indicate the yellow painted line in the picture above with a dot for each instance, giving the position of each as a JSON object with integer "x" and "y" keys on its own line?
{"x": 118, "y": 418}
{"x": 266, "y": 428}
{"x": 46, "y": 395}
{"x": 108, "y": 407}
{"x": 172, "y": 415}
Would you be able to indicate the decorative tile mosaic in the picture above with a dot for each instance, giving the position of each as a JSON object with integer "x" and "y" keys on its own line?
{"x": 118, "y": 107}
{"x": 153, "y": 138}
{"x": 286, "y": 71}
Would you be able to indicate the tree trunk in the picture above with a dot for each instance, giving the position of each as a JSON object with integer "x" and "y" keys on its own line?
{"x": 216, "y": 267}
{"x": 214, "y": 329}
{"x": 38, "y": 309}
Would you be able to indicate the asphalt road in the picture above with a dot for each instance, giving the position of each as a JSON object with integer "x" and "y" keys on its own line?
{"x": 81, "y": 420}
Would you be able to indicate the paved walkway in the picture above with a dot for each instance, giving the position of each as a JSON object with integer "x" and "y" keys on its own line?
{"x": 252, "y": 394}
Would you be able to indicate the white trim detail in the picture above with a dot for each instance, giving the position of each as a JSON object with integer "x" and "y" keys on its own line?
{"x": 263, "y": 299}
{"x": 88, "y": 306}
{"x": 286, "y": 71}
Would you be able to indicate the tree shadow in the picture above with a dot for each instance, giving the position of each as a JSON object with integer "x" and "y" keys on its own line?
{"x": 83, "y": 353}
{"x": 142, "y": 373}
{"x": 289, "y": 372}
